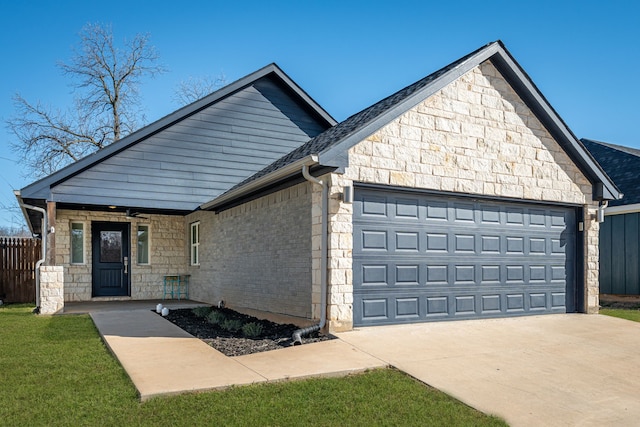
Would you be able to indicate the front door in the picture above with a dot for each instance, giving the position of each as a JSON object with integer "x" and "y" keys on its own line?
{"x": 110, "y": 247}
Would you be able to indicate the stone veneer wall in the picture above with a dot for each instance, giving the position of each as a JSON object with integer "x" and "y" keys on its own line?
{"x": 592, "y": 261}
{"x": 51, "y": 289}
{"x": 167, "y": 253}
{"x": 257, "y": 255}
{"x": 473, "y": 136}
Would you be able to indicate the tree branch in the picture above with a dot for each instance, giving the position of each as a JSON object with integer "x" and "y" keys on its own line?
{"x": 106, "y": 81}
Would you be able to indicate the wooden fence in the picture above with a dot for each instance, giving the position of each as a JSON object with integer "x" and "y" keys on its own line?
{"x": 18, "y": 257}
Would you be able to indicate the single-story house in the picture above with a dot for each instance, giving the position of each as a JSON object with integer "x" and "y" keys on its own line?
{"x": 620, "y": 232}
{"x": 463, "y": 195}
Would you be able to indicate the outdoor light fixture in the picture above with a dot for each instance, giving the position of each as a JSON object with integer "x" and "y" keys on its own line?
{"x": 347, "y": 194}
{"x": 600, "y": 212}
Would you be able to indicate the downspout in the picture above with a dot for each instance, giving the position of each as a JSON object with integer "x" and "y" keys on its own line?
{"x": 297, "y": 335}
{"x": 43, "y": 237}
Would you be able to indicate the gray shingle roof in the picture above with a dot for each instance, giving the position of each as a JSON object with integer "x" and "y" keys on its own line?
{"x": 622, "y": 164}
{"x": 344, "y": 129}
{"x": 330, "y": 148}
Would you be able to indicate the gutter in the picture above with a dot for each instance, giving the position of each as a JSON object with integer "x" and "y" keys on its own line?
{"x": 258, "y": 183}
{"x": 297, "y": 335}
{"x": 301, "y": 165}
{"x": 622, "y": 209}
{"x": 43, "y": 237}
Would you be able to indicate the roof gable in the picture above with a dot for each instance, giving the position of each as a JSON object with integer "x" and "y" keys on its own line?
{"x": 622, "y": 164}
{"x": 331, "y": 146}
{"x": 284, "y": 116}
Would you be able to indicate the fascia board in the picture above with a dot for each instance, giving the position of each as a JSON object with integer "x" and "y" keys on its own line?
{"x": 302, "y": 94}
{"x": 623, "y": 209}
{"x": 24, "y": 211}
{"x": 261, "y": 182}
{"x": 547, "y": 115}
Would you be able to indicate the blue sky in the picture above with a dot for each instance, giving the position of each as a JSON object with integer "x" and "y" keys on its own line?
{"x": 583, "y": 55}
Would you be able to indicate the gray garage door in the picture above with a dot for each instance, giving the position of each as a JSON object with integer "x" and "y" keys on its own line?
{"x": 420, "y": 257}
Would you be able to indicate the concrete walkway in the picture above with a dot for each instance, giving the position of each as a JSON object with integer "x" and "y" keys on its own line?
{"x": 553, "y": 370}
{"x": 161, "y": 358}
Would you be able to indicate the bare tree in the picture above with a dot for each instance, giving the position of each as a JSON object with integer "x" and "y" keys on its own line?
{"x": 16, "y": 226}
{"x": 194, "y": 88}
{"x": 14, "y": 231}
{"x": 106, "y": 106}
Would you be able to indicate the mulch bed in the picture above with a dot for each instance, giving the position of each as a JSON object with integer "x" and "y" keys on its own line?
{"x": 274, "y": 335}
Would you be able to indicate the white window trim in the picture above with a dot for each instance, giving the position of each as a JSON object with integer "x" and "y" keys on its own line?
{"x": 148, "y": 243}
{"x": 84, "y": 242}
{"x": 194, "y": 245}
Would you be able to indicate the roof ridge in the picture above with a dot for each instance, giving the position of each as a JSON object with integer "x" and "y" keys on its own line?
{"x": 629, "y": 150}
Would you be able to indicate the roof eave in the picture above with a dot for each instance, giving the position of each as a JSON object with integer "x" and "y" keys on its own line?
{"x": 622, "y": 209}
{"x": 259, "y": 183}
{"x": 24, "y": 211}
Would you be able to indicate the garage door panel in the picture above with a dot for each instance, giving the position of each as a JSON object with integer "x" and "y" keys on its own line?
{"x": 402, "y": 307}
{"x": 491, "y": 304}
{"x": 558, "y": 300}
{"x": 407, "y": 209}
{"x": 392, "y": 238}
{"x": 398, "y": 271}
{"x": 429, "y": 257}
{"x": 437, "y": 211}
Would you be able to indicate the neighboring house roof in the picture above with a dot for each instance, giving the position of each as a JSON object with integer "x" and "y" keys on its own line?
{"x": 192, "y": 155}
{"x": 622, "y": 164}
{"x": 329, "y": 149}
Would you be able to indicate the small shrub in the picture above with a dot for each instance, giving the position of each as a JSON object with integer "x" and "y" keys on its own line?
{"x": 216, "y": 318}
{"x": 252, "y": 329}
{"x": 201, "y": 311}
{"x": 232, "y": 325}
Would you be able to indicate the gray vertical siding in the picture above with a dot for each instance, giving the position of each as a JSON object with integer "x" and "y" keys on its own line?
{"x": 620, "y": 255}
{"x": 200, "y": 157}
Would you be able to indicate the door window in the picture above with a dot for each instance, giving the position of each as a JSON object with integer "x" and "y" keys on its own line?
{"x": 110, "y": 246}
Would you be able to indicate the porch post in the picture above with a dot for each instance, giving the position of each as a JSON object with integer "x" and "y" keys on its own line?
{"x": 50, "y": 236}
{"x": 51, "y": 275}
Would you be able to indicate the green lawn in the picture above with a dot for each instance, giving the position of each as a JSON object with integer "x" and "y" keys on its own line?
{"x": 57, "y": 371}
{"x": 623, "y": 313}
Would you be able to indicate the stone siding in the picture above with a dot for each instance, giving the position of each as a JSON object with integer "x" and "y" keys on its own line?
{"x": 592, "y": 261}
{"x": 257, "y": 255}
{"x": 51, "y": 289}
{"x": 167, "y": 253}
{"x": 473, "y": 136}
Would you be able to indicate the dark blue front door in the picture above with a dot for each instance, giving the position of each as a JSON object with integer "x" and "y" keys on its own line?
{"x": 110, "y": 247}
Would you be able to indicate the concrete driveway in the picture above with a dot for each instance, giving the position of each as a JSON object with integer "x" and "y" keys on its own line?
{"x": 552, "y": 370}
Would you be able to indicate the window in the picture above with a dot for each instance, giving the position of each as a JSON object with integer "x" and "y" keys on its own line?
{"x": 143, "y": 244}
{"x": 195, "y": 243}
{"x": 77, "y": 243}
